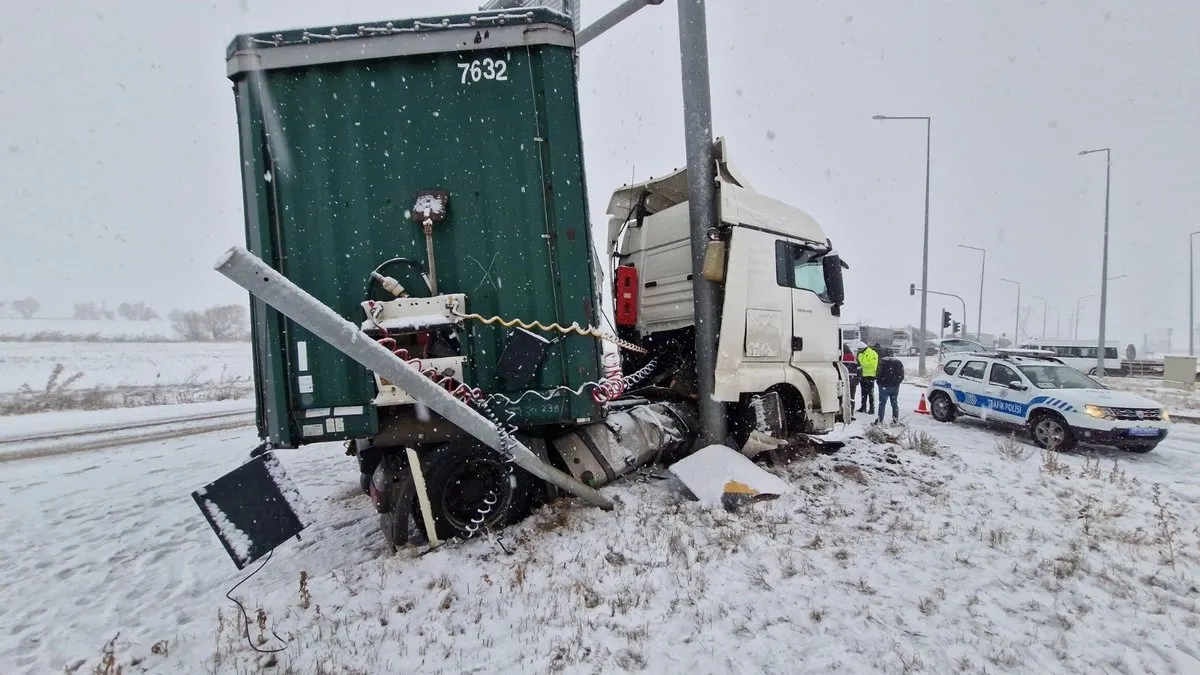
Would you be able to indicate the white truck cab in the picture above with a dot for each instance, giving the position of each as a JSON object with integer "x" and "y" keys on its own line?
{"x": 1058, "y": 404}
{"x": 781, "y": 283}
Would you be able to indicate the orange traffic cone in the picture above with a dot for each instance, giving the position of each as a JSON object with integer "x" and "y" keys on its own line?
{"x": 922, "y": 408}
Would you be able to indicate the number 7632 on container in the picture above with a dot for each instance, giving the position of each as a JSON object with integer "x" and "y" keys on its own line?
{"x": 486, "y": 69}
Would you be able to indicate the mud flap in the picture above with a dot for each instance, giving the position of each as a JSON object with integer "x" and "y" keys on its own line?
{"x": 253, "y": 509}
{"x": 766, "y": 411}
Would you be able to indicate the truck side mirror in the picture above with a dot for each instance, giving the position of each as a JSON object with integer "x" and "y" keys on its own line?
{"x": 832, "y": 267}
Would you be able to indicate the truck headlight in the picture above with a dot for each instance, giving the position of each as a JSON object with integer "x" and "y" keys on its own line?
{"x": 1099, "y": 412}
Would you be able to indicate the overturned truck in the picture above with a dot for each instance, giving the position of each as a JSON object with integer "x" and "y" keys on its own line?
{"x": 425, "y": 289}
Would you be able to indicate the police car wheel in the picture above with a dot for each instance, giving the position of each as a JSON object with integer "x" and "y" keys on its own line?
{"x": 941, "y": 408}
{"x": 1052, "y": 432}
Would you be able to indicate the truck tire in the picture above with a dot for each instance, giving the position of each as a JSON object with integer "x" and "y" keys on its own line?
{"x": 1051, "y": 431}
{"x": 368, "y": 457}
{"x": 465, "y": 481}
{"x": 941, "y": 408}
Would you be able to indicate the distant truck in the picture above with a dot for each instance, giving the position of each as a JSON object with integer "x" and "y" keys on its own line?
{"x": 852, "y": 334}
{"x": 902, "y": 343}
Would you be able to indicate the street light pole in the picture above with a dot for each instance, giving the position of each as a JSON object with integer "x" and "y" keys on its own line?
{"x": 1078, "y": 309}
{"x": 1045, "y": 310}
{"x": 925, "y": 249}
{"x": 982, "y": 269}
{"x": 1192, "y": 293}
{"x": 1100, "y": 370}
{"x": 1017, "y": 320}
{"x": 702, "y": 207}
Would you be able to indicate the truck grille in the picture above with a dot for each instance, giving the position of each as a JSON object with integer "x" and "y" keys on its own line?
{"x": 1148, "y": 414}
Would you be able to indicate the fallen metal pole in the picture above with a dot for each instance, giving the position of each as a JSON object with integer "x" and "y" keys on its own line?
{"x": 620, "y": 13}
{"x": 264, "y": 283}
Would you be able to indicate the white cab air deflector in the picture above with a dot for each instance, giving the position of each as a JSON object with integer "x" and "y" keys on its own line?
{"x": 739, "y": 203}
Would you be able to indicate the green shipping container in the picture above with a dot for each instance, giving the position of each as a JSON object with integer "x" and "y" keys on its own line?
{"x": 342, "y": 126}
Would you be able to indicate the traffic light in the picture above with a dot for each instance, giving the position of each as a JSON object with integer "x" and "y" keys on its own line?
{"x": 912, "y": 289}
{"x": 945, "y": 319}
{"x": 956, "y": 328}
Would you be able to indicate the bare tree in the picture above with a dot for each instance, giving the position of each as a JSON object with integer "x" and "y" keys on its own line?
{"x": 220, "y": 323}
{"x": 226, "y": 322}
{"x": 137, "y": 311}
{"x": 90, "y": 311}
{"x": 189, "y": 325}
{"x": 27, "y": 307}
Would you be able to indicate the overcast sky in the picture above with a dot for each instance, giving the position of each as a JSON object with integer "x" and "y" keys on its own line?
{"x": 119, "y": 178}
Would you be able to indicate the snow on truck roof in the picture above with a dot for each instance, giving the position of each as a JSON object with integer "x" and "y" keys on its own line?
{"x": 739, "y": 203}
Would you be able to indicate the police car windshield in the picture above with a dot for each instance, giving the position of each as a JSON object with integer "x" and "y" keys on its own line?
{"x": 1058, "y": 377}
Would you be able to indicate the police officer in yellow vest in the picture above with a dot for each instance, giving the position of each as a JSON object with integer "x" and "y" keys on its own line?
{"x": 868, "y": 362}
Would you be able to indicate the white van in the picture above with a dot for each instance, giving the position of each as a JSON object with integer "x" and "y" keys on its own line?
{"x": 1081, "y": 354}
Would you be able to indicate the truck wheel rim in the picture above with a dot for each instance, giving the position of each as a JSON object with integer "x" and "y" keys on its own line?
{"x": 470, "y": 488}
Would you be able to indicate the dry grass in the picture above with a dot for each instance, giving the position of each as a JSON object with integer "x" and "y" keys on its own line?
{"x": 852, "y": 472}
{"x": 64, "y": 336}
{"x": 922, "y": 442}
{"x": 1014, "y": 450}
{"x": 58, "y": 394}
{"x": 1052, "y": 465}
{"x": 881, "y": 435}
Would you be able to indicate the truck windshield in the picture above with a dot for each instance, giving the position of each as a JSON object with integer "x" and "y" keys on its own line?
{"x": 1058, "y": 377}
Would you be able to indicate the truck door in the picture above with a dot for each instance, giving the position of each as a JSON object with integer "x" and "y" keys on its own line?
{"x": 815, "y": 339}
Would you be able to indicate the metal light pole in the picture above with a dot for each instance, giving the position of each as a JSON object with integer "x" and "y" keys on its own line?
{"x": 702, "y": 206}
{"x": 925, "y": 249}
{"x": 982, "y": 269}
{"x": 1044, "y": 310}
{"x": 1078, "y": 309}
{"x": 1192, "y": 293}
{"x": 1104, "y": 264}
{"x": 617, "y": 15}
{"x": 1017, "y": 320}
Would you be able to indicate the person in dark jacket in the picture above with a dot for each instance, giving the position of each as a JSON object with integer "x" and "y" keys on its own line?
{"x": 889, "y": 378}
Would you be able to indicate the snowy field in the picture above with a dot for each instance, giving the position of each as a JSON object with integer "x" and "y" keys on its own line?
{"x": 121, "y": 374}
{"x": 60, "y": 329}
{"x": 125, "y": 363}
{"x": 960, "y": 555}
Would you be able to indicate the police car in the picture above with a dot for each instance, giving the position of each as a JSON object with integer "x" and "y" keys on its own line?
{"x": 1058, "y": 404}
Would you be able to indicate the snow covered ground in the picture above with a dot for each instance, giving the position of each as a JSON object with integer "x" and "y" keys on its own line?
{"x": 92, "y": 375}
{"x": 1176, "y": 400}
{"x": 956, "y": 554}
{"x": 116, "y": 364}
{"x": 102, "y": 329}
